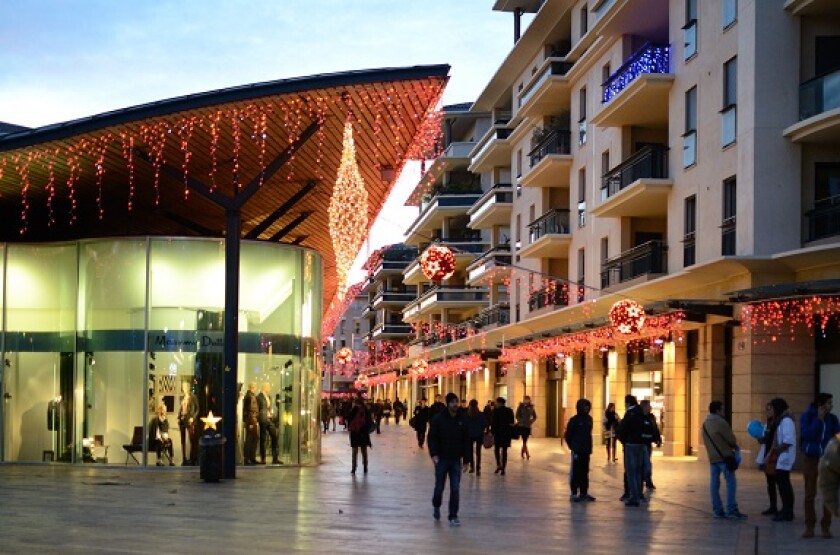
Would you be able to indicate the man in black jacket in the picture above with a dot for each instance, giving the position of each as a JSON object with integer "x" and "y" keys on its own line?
{"x": 421, "y": 421}
{"x": 449, "y": 443}
{"x": 630, "y": 434}
{"x": 579, "y": 439}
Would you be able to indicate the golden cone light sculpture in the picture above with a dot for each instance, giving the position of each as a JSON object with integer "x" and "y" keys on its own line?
{"x": 348, "y": 210}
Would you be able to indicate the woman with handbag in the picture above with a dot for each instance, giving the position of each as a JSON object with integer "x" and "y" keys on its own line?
{"x": 477, "y": 425}
{"x": 762, "y": 454}
{"x": 782, "y": 455}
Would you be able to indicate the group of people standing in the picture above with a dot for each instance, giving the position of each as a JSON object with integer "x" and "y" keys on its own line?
{"x": 819, "y": 446}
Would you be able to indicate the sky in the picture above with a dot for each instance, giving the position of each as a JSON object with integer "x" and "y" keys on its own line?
{"x": 65, "y": 59}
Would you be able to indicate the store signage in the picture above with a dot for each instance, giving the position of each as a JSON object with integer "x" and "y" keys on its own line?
{"x": 181, "y": 340}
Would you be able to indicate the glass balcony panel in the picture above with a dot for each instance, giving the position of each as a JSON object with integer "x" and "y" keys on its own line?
{"x": 819, "y": 95}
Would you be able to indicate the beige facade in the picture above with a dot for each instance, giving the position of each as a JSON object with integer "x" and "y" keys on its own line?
{"x": 673, "y": 153}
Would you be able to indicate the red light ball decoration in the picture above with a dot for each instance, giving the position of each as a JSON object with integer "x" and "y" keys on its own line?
{"x": 627, "y": 316}
{"x": 344, "y": 355}
{"x": 437, "y": 263}
{"x": 419, "y": 367}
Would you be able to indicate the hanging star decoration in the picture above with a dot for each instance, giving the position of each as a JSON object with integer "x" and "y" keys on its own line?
{"x": 210, "y": 421}
{"x": 348, "y": 211}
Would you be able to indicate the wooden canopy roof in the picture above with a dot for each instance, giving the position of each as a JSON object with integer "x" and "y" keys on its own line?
{"x": 155, "y": 169}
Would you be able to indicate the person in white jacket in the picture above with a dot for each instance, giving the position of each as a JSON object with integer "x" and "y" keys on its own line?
{"x": 783, "y": 445}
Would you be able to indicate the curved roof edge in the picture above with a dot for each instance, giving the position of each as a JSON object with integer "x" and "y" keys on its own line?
{"x": 86, "y": 124}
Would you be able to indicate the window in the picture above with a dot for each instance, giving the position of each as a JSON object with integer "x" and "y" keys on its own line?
{"x": 690, "y": 135}
{"x": 582, "y": 120}
{"x": 728, "y": 225}
{"x": 690, "y": 230}
{"x": 730, "y": 93}
{"x": 518, "y": 244}
{"x": 605, "y": 249}
{"x": 581, "y": 197}
{"x": 827, "y": 185}
{"x": 605, "y": 73}
{"x": 584, "y": 21}
{"x": 581, "y": 272}
{"x": 690, "y": 30}
{"x": 729, "y": 13}
{"x": 519, "y": 163}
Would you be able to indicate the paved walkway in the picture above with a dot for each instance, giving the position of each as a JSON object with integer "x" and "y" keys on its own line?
{"x": 114, "y": 509}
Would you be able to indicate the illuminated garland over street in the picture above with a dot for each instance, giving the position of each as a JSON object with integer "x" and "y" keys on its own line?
{"x": 770, "y": 320}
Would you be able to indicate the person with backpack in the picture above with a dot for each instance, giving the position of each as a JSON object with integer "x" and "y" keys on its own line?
{"x": 359, "y": 424}
{"x": 816, "y": 428}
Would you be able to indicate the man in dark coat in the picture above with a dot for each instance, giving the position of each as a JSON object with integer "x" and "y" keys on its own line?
{"x": 578, "y": 438}
{"x": 630, "y": 432}
{"x": 449, "y": 443}
{"x": 421, "y": 420}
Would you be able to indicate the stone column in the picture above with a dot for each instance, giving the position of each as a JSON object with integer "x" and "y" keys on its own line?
{"x": 675, "y": 387}
{"x": 594, "y": 392}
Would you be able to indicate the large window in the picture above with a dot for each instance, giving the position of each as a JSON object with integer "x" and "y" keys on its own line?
{"x": 728, "y": 224}
{"x": 729, "y": 13}
{"x": 690, "y": 135}
{"x": 690, "y": 30}
{"x": 728, "y": 115}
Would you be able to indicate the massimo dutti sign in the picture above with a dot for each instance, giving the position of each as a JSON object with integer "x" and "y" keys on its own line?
{"x": 207, "y": 341}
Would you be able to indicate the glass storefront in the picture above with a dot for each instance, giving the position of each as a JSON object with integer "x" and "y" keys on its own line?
{"x": 99, "y": 335}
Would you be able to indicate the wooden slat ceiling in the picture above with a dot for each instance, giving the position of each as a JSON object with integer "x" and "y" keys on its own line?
{"x": 388, "y": 109}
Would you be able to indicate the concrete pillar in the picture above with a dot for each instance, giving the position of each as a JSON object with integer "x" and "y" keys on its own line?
{"x": 618, "y": 377}
{"x": 675, "y": 388}
{"x": 594, "y": 392}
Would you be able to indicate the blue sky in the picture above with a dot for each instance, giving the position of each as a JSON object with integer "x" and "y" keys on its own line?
{"x": 65, "y": 59}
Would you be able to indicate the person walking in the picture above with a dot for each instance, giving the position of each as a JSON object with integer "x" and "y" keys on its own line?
{"x": 449, "y": 444}
{"x": 500, "y": 425}
{"x": 325, "y": 414}
{"x": 399, "y": 410}
{"x": 609, "y": 427}
{"x": 525, "y": 417}
{"x": 477, "y": 425}
{"x": 816, "y": 428}
{"x": 720, "y": 444}
{"x": 630, "y": 435}
{"x": 650, "y": 435}
{"x": 333, "y": 413}
{"x": 578, "y": 438}
{"x": 360, "y": 422}
{"x": 386, "y": 412}
{"x": 421, "y": 420}
{"x": 829, "y": 476}
{"x": 764, "y": 440}
{"x": 783, "y": 434}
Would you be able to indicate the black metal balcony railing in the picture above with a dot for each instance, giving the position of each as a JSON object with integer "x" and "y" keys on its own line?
{"x": 392, "y": 328}
{"x": 555, "y": 222}
{"x": 466, "y": 241}
{"x": 823, "y": 221}
{"x": 552, "y": 295}
{"x": 819, "y": 95}
{"x": 500, "y": 253}
{"x": 650, "y": 162}
{"x": 495, "y": 315}
{"x": 558, "y": 141}
{"x": 650, "y": 58}
{"x": 647, "y": 258}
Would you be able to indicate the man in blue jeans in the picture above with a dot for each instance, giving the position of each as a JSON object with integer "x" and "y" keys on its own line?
{"x": 449, "y": 444}
{"x": 721, "y": 443}
{"x": 630, "y": 434}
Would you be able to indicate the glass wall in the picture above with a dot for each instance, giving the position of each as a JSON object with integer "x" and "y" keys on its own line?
{"x": 101, "y": 335}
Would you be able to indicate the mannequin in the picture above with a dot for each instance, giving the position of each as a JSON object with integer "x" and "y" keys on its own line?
{"x": 250, "y": 413}
{"x": 159, "y": 439}
{"x": 268, "y": 429}
{"x": 186, "y": 423}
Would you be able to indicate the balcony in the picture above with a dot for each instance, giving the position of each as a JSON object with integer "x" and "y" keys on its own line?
{"x": 368, "y": 311}
{"x": 493, "y": 208}
{"x": 492, "y": 150}
{"x": 640, "y": 263}
{"x": 629, "y": 17}
{"x": 550, "y": 161}
{"x": 481, "y": 270}
{"x": 548, "y": 91}
{"x": 438, "y": 298}
{"x": 637, "y": 93}
{"x": 813, "y": 7}
{"x": 823, "y": 221}
{"x": 391, "y": 330}
{"x": 639, "y": 186}
{"x": 496, "y": 315}
{"x": 549, "y": 236}
{"x": 553, "y": 295}
{"x": 819, "y": 111}
{"x": 394, "y": 298}
{"x": 437, "y": 209}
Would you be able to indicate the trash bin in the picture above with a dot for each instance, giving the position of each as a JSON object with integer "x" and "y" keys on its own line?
{"x": 211, "y": 456}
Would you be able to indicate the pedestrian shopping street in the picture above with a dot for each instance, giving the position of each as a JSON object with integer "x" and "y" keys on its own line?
{"x": 116, "y": 509}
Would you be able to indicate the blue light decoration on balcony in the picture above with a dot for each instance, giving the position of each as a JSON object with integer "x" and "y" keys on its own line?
{"x": 651, "y": 58}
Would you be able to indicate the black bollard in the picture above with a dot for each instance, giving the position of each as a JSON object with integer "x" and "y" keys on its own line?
{"x": 211, "y": 456}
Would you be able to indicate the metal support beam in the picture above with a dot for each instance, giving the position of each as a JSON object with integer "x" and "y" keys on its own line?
{"x": 290, "y": 226}
{"x": 281, "y": 211}
{"x": 233, "y": 228}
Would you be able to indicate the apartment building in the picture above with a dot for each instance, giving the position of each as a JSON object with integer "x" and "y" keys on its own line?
{"x": 679, "y": 154}
{"x": 351, "y": 330}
